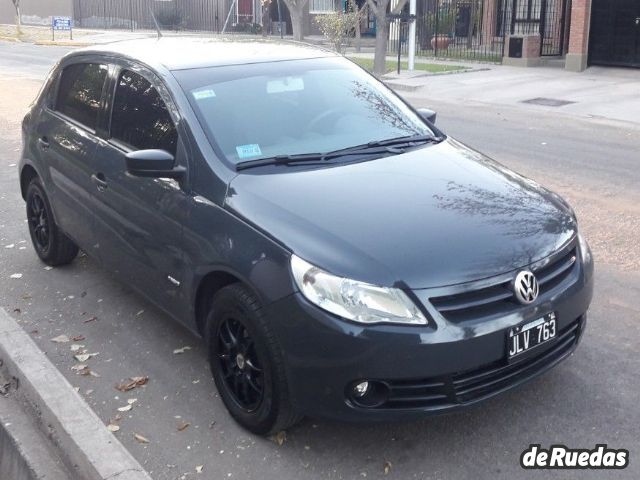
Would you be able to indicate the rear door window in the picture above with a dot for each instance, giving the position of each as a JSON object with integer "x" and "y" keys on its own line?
{"x": 80, "y": 92}
{"x": 140, "y": 117}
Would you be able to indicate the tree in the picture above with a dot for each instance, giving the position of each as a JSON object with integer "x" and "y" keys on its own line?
{"x": 16, "y": 5}
{"x": 266, "y": 17}
{"x": 338, "y": 26}
{"x": 296, "y": 10}
{"x": 379, "y": 9}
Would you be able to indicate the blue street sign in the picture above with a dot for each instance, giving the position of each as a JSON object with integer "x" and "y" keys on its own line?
{"x": 61, "y": 23}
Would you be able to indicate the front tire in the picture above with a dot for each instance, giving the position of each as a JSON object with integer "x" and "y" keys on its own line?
{"x": 247, "y": 363}
{"x": 52, "y": 246}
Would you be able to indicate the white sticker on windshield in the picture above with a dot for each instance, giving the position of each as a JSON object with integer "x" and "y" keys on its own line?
{"x": 285, "y": 84}
{"x": 249, "y": 150}
{"x": 202, "y": 94}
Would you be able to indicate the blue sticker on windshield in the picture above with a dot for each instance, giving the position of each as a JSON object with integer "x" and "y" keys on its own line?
{"x": 249, "y": 150}
{"x": 202, "y": 94}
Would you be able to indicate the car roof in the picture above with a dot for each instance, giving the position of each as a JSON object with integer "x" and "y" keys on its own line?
{"x": 180, "y": 53}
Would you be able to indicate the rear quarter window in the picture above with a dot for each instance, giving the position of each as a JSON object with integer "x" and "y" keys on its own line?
{"x": 80, "y": 92}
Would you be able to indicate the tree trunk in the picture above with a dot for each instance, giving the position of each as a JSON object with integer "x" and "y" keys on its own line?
{"x": 296, "y": 23}
{"x": 18, "y": 20}
{"x": 266, "y": 19}
{"x": 361, "y": 13}
{"x": 382, "y": 33}
{"x": 472, "y": 16}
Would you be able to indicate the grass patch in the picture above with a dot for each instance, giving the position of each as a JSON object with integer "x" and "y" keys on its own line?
{"x": 367, "y": 63}
{"x": 30, "y": 33}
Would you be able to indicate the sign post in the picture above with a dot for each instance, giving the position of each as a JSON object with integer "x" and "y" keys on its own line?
{"x": 61, "y": 23}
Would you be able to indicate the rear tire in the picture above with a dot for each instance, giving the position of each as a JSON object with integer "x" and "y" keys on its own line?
{"x": 247, "y": 363}
{"x": 52, "y": 246}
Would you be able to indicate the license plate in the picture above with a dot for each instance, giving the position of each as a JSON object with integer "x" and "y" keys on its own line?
{"x": 525, "y": 337}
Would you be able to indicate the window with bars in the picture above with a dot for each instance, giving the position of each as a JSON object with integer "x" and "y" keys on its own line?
{"x": 527, "y": 10}
{"x": 321, "y": 6}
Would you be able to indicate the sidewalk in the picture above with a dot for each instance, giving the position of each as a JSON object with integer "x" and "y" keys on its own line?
{"x": 599, "y": 92}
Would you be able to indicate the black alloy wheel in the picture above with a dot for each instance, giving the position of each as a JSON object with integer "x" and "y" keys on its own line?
{"x": 239, "y": 364}
{"x": 50, "y": 243}
{"x": 39, "y": 222}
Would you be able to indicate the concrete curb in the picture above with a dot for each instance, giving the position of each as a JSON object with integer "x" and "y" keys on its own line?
{"x": 63, "y": 43}
{"x": 25, "y": 452}
{"x": 88, "y": 450}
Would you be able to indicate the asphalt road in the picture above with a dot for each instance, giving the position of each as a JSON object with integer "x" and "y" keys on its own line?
{"x": 589, "y": 399}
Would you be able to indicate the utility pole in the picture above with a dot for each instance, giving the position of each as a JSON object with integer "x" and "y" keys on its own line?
{"x": 412, "y": 34}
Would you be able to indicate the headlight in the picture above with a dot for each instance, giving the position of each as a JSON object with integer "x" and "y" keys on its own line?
{"x": 357, "y": 301}
{"x": 585, "y": 251}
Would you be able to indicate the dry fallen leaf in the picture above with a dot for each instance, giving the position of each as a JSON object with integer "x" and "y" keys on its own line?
{"x": 83, "y": 357}
{"x": 75, "y": 347}
{"x": 126, "y": 408}
{"x": 77, "y": 338}
{"x": 199, "y": 468}
{"x": 90, "y": 319}
{"x": 387, "y": 467}
{"x": 113, "y": 428}
{"x": 132, "y": 383}
{"x": 183, "y": 426}
{"x": 16, "y": 275}
{"x": 279, "y": 437}
{"x": 140, "y": 438}
{"x": 131, "y": 401}
{"x": 177, "y": 351}
{"x": 79, "y": 367}
{"x": 60, "y": 339}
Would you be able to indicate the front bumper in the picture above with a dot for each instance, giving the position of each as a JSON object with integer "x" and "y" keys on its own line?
{"x": 433, "y": 369}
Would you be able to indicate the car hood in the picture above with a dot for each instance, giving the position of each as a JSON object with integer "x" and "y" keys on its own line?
{"x": 434, "y": 216}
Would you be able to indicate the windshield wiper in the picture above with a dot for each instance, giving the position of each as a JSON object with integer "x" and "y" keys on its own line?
{"x": 408, "y": 140}
{"x": 316, "y": 158}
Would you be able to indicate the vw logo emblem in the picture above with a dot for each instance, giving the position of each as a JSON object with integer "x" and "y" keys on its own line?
{"x": 525, "y": 287}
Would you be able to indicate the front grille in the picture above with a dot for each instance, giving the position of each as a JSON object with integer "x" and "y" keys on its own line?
{"x": 499, "y": 299}
{"x": 467, "y": 387}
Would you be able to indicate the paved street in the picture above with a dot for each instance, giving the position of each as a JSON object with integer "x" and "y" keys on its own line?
{"x": 589, "y": 399}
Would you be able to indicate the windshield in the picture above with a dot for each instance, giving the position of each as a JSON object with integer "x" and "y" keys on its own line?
{"x": 296, "y": 107}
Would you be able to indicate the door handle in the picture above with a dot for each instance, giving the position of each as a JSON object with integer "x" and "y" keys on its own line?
{"x": 99, "y": 181}
{"x": 43, "y": 142}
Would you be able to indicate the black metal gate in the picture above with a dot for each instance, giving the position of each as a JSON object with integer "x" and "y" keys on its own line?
{"x": 615, "y": 33}
{"x": 540, "y": 17}
{"x": 552, "y": 27}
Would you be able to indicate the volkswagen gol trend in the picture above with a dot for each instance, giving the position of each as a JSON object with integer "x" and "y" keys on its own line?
{"x": 340, "y": 255}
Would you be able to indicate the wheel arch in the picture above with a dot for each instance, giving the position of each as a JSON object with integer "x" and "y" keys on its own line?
{"x": 27, "y": 174}
{"x": 208, "y": 286}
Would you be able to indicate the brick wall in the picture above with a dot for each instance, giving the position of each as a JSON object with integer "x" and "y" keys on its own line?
{"x": 580, "y": 19}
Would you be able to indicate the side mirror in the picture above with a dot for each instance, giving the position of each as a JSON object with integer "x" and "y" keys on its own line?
{"x": 428, "y": 115}
{"x": 153, "y": 163}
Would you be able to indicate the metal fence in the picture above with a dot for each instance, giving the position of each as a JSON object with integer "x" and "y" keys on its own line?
{"x": 476, "y": 29}
{"x": 191, "y": 15}
{"x": 458, "y": 29}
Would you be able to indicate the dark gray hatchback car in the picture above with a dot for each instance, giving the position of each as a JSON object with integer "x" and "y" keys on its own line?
{"x": 339, "y": 254}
